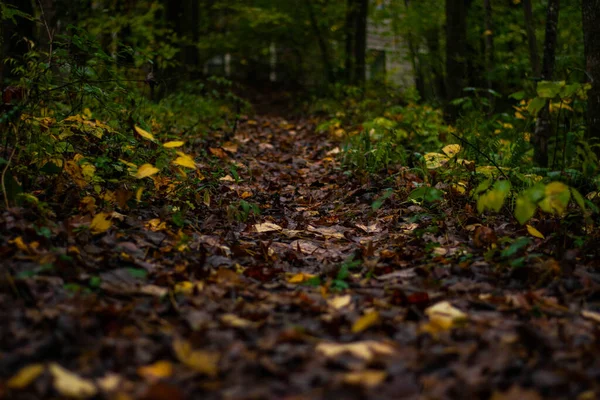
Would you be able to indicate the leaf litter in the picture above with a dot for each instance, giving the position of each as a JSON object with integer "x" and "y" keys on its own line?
{"x": 292, "y": 279}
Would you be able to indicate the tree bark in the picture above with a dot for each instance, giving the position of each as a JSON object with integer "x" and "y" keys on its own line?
{"x": 489, "y": 50}
{"x": 543, "y": 128}
{"x": 432, "y": 36}
{"x": 360, "y": 44}
{"x": 534, "y": 56}
{"x": 591, "y": 34}
{"x": 456, "y": 50}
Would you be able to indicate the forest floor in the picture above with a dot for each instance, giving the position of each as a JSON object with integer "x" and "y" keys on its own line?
{"x": 320, "y": 295}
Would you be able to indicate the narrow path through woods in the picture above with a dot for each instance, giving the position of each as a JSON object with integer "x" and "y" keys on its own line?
{"x": 318, "y": 296}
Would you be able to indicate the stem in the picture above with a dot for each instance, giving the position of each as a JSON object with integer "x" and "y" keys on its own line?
{"x": 2, "y": 180}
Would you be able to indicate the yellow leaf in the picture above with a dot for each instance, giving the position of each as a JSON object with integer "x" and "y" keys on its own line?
{"x": 451, "y": 150}
{"x": 143, "y": 133}
{"x": 339, "y": 302}
{"x": 138, "y": 194}
{"x": 156, "y": 225}
{"x": 25, "y": 376}
{"x": 367, "y": 378}
{"x": 156, "y": 371}
{"x": 146, "y": 170}
{"x": 236, "y": 322}
{"x": 20, "y": 243}
{"x": 488, "y": 32}
{"x": 100, "y": 223}
{"x": 300, "y": 277}
{"x": 444, "y": 315}
{"x": 365, "y": 350}
{"x": 267, "y": 227}
{"x": 185, "y": 161}
{"x": 534, "y": 232}
{"x": 187, "y": 287}
{"x": 71, "y": 385}
{"x": 176, "y": 143}
{"x": 435, "y": 160}
{"x": 205, "y": 362}
{"x": 365, "y": 322}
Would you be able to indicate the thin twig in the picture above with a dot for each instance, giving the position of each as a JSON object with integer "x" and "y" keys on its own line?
{"x": 50, "y": 33}
{"x": 2, "y": 181}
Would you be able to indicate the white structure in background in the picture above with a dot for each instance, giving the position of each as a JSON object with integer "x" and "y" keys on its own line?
{"x": 388, "y": 53}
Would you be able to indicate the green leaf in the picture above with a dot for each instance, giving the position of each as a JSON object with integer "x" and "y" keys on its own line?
{"x": 483, "y": 186}
{"x": 524, "y": 209}
{"x": 494, "y": 199}
{"x": 556, "y": 199}
{"x": 549, "y": 89}
{"x": 536, "y": 105}
{"x": 520, "y": 95}
{"x": 578, "y": 198}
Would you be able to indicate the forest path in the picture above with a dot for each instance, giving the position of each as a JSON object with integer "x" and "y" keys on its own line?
{"x": 318, "y": 296}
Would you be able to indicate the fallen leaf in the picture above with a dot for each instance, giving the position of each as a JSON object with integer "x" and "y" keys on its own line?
{"x": 365, "y": 350}
{"x": 444, "y": 315}
{"x": 534, "y": 232}
{"x": 227, "y": 178}
{"x": 138, "y": 194}
{"x": 369, "y": 228}
{"x": 237, "y": 322}
{"x": 188, "y": 288}
{"x": 146, "y": 170}
{"x": 20, "y": 243}
{"x": 100, "y": 223}
{"x": 267, "y": 227}
{"x": 71, "y": 385}
{"x": 110, "y": 382}
{"x": 143, "y": 133}
{"x": 173, "y": 144}
{"x": 365, "y": 322}
{"x": 326, "y": 231}
{"x": 367, "y": 378}
{"x": 25, "y": 376}
{"x": 230, "y": 147}
{"x": 339, "y": 302}
{"x": 594, "y": 316}
{"x": 185, "y": 161}
{"x": 158, "y": 370}
{"x": 204, "y": 362}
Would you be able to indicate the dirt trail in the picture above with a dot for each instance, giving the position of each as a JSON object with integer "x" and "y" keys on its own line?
{"x": 319, "y": 296}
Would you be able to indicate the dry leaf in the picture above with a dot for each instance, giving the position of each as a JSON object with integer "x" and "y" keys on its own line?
{"x": 368, "y": 378}
{"x": 25, "y": 376}
{"x": 300, "y": 277}
{"x": 237, "y": 322}
{"x": 444, "y": 315}
{"x": 366, "y": 321}
{"x": 188, "y": 288}
{"x": 267, "y": 227}
{"x": 158, "y": 370}
{"x": 71, "y": 385}
{"x": 326, "y": 231}
{"x": 145, "y": 171}
{"x": 365, "y": 350}
{"x": 230, "y": 147}
{"x": 100, "y": 223}
{"x": 218, "y": 152}
{"x": 205, "y": 362}
{"x": 340, "y": 302}
{"x": 594, "y": 316}
{"x": 143, "y": 133}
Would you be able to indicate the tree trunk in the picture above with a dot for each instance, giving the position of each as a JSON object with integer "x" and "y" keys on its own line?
{"x": 456, "y": 50}
{"x": 321, "y": 41}
{"x": 591, "y": 31}
{"x": 191, "y": 57}
{"x": 360, "y": 44}
{"x": 534, "y": 57}
{"x": 432, "y": 36}
{"x": 543, "y": 128}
